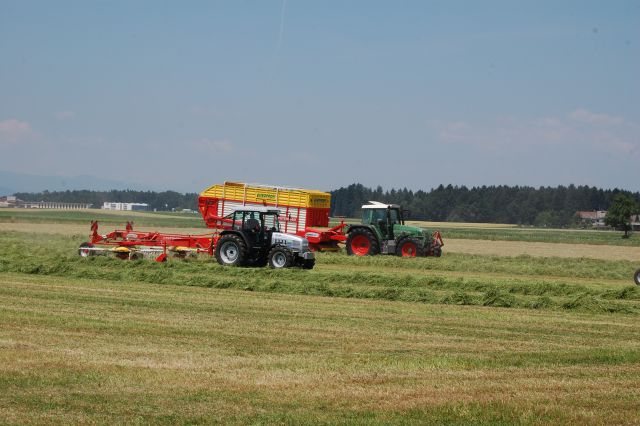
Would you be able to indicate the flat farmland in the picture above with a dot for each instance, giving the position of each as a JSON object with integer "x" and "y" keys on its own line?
{"x": 106, "y": 217}
{"x": 525, "y": 248}
{"x": 470, "y": 238}
{"x": 529, "y": 336}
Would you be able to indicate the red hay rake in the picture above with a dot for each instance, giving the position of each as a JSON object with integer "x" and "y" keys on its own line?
{"x": 132, "y": 245}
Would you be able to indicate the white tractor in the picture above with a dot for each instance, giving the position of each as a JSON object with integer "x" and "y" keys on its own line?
{"x": 252, "y": 237}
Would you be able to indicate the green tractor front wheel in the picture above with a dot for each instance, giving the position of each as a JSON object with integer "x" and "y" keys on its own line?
{"x": 410, "y": 247}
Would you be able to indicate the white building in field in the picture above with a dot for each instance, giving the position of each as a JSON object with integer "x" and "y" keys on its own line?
{"x": 11, "y": 201}
{"x": 125, "y": 206}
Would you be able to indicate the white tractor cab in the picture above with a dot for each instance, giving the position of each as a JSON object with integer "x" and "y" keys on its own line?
{"x": 253, "y": 238}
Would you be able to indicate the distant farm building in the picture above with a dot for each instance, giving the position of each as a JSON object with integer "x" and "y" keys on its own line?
{"x": 595, "y": 218}
{"x": 13, "y": 202}
{"x": 125, "y": 206}
{"x": 9, "y": 201}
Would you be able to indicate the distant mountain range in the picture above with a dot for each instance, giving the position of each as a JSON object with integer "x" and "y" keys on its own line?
{"x": 11, "y": 183}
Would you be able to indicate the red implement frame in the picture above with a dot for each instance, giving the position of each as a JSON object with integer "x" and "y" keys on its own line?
{"x": 436, "y": 248}
{"x": 325, "y": 239}
{"x": 168, "y": 242}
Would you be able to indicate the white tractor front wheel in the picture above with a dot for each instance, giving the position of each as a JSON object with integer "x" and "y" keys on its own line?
{"x": 280, "y": 257}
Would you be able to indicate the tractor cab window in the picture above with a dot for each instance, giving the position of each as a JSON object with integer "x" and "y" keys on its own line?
{"x": 374, "y": 216}
{"x": 271, "y": 222}
{"x": 233, "y": 221}
{"x": 250, "y": 222}
{"x": 367, "y": 216}
{"x": 394, "y": 216}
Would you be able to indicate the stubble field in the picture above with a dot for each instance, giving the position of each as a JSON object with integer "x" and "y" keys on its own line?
{"x": 540, "y": 335}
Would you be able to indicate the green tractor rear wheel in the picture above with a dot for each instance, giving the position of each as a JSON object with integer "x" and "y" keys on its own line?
{"x": 362, "y": 242}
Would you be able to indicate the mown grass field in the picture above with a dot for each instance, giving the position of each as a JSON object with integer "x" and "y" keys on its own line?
{"x": 470, "y": 231}
{"x": 106, "y": 217}
{"x": 466, "y": 338}
{"x": 570, "y": 236}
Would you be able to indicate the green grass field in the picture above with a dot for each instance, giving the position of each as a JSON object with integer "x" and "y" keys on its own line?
{"x": 572, "y": 236}
{"x": 98, "y": 351}
{"x": 449, "y": 230}
{"x": 462, "y": 339}
{"x": 105, "y": 217}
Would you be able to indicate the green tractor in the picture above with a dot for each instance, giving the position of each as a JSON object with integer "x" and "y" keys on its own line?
{"x": 383, "y": 231}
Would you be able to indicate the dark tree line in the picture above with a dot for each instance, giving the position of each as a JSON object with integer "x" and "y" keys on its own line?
{"x": 544, "y": 206}
{"x": 166, "y": 200}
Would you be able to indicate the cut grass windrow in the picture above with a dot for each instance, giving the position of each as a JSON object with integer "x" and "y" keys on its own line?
{"x": 525, "y": 281}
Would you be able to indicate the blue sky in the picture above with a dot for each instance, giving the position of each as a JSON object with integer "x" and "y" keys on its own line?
{"x": 181, "y": 95}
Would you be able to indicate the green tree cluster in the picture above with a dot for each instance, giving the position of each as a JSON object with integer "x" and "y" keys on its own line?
{"x": 543, "y": 206}
{"x": 619, "y": 214}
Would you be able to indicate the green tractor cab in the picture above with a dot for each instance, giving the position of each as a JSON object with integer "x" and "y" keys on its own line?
{"x": 383, "y": 231}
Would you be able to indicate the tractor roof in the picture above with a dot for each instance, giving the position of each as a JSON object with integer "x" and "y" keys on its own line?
{"x": 379, "y": 205}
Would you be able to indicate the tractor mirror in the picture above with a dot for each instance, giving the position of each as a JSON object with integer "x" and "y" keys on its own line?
{"x": 406, "y": 214}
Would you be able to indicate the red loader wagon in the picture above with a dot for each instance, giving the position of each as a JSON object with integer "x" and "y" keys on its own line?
{"x": 303, "y": 212}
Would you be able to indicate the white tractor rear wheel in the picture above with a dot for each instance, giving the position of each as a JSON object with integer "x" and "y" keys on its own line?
{"x": 231, "y": 250}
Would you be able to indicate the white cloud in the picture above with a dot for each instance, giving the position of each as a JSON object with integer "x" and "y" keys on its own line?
{"x": 14, "y": 131}
{"x": 593, "y": 118}
{"x": 65, "y": 115}
{"x": 450, "y": 131}
{"x": 580, "y": 129}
